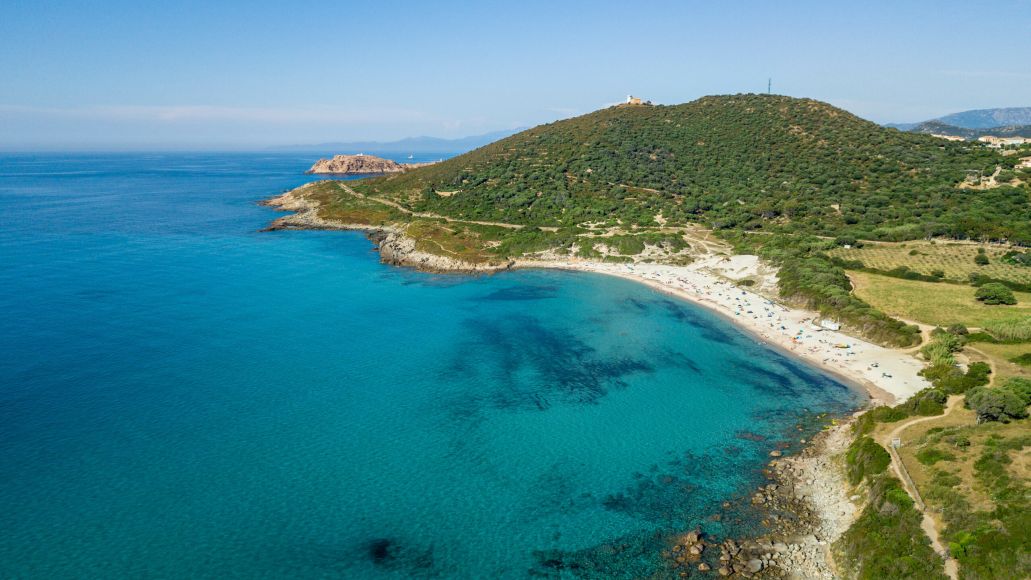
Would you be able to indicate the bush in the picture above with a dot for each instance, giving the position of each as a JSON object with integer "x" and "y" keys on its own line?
{"x": 886, "y": 541}
{"x": 932, "y": 455}
{"x": 943, "y": 344}
{"x": 865, "y": 458}
{"x": 926, "y": 403}
{"x": 958, "y": 329}
{"x": 950, "y": 380}
{"x": 981, "y": 260}
{"x": 882, "y": 414}
{"x": 995, "y": 293}
{"x": 1003, "y": 403}
{"x": 1023, "y": 360}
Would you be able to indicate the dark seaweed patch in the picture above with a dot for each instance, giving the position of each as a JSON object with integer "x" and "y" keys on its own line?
{"x": 381, "y": 551}
{"x": 388, "y": 553}
{"x": 537, "y": 367}
{"x": 709, "y": 328}
{"x": 639, "y": 305}
{"x": 673, "y": 358}
{"x": 524, "y": 292}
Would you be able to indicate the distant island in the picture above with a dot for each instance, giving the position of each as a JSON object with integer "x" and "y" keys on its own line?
{"x": 361, "y": 164}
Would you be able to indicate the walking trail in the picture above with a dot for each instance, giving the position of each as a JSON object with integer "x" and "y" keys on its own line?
{"x": 929, "y": 525}
{"x": 427, "y": 214}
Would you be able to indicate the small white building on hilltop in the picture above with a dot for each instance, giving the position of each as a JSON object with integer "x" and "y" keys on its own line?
{"x": 632, "y": 100}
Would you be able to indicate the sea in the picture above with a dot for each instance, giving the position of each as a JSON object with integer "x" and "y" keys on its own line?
{"x": 185, "y": 396}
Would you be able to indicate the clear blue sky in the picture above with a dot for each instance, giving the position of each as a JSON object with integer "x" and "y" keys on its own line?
{"x": 225, "y": 74}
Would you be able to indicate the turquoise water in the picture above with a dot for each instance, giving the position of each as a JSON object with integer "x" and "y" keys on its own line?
{"x": 183, "y": 396}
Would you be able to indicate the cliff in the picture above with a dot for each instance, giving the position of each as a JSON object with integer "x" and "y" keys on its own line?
{"x": 360, "y": 165}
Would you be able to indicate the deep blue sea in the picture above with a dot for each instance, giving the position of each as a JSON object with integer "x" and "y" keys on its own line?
{"x": 182, "y": 396}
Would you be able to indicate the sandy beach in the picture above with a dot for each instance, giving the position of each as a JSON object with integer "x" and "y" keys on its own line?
{"x": 888, "y": 375}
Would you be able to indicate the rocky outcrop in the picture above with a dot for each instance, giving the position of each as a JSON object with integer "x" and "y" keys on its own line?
{"x": 360, "y": 165}
{"x": 805, "y": 507}
{"x": 399, "y": 249}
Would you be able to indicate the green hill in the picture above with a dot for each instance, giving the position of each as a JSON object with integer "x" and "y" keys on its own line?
{"x": 743, "y": 162}
{"x": 634, "y": 182}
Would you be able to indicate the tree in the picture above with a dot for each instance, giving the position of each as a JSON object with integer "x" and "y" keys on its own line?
{"x": 981, "y": 260}
{"x": 995, "y": 293}
{"x": 1003, "y": 403}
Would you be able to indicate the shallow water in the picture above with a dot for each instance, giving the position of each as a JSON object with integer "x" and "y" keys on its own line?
{"x": 182, "y": 396}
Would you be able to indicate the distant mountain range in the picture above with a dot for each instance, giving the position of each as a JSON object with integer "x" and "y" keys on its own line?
{"x": 424, "y": 145}
{"x": 1008, "y": 122}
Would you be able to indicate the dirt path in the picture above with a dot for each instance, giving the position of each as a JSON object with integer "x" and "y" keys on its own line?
{"x": 432, "y": 215}
{"x": 929, "y": 525}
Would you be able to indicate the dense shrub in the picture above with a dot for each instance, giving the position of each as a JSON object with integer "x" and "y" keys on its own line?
{"x": 995, "y": 293}
{"x": 926, "y": 403}
{"x": 865, "y": 458}
{"x": 883, "y": 414}
{"x": 932, "y": 455}
{"x": 1002, "y": 403}
{"x": 978, "y": 279}
{"x": 819, "y": 284}
{"x": 886, "y": 541}
{"x": 958, "y": 329}
{"x": 950, "y": 380}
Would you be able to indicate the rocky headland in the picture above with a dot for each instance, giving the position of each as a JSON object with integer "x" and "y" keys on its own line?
{"x": 361, "y": 165}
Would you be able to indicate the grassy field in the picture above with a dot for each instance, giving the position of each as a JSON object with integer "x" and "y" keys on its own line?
{"x": 973, "y": 478}
{"x": 956, "y": 259}
{"x": 450, "y": 239}
{"x": 999, "y": 356}
{"x": 337, "y": 205}
{"x": 933, "y": 303}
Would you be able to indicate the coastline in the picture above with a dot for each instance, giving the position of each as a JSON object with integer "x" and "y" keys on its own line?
{"x": 774, "y": 324}
{"x": 888, "y": 376}
{"x": 811, "y": 483}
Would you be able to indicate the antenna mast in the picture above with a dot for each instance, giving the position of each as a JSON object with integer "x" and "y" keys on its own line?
{"x": 769, "y": 85}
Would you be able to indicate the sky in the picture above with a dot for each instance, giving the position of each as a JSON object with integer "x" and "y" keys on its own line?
{"x": 106, "y": 74}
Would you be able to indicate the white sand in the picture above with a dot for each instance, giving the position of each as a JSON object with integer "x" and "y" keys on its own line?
{"x": 890, "y": 376}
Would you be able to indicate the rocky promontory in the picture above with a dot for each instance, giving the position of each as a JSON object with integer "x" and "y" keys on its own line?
{"x": 360, "y": 165}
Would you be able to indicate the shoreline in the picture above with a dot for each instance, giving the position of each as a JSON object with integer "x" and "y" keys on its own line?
{"x": 886, "y": 375}
{"x": 817, "y": 348}
{"x": 813, "y": 477}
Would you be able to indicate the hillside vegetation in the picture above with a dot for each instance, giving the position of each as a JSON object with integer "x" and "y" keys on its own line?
{"x": 788, "y": 179}
{"x": 752, "y": 162}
